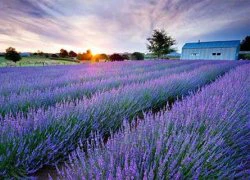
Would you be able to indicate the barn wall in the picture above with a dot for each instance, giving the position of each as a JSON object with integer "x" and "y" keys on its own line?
{"x": 207, "y": 53}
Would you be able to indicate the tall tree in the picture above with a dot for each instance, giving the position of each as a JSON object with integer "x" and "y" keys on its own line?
{"x": 12, "y": 54}
{"x": 245, "y": 44}
{"x": 160, "y": 43}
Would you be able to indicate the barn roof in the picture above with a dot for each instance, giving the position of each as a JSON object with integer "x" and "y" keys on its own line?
{"x": 212, "y": 44}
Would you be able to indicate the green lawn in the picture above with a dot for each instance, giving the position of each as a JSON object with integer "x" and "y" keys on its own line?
{"x": 33, "y": 61}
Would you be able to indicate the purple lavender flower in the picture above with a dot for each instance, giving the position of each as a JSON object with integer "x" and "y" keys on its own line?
{"x": 206, "y": 135}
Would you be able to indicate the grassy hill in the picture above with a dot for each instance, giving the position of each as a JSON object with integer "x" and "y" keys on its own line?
{"x": 34, "y": 61}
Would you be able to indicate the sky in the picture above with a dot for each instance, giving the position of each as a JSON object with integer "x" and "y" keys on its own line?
{"x": 108, "y": 26}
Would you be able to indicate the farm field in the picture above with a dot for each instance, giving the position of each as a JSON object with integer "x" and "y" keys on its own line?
{"x": 204, "y": 136}
{"x": 48, "y": 113}
{"x": 33, "y": 61}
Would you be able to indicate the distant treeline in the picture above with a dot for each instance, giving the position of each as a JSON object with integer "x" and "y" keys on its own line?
{"x": 89, "y": 56}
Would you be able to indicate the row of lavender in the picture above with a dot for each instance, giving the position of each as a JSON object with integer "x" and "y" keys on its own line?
{"x": 205, "y": 136}
{"x": 27, "y": 79}
{"x": 23, "y": 101}
{"x": 46, "y": 136}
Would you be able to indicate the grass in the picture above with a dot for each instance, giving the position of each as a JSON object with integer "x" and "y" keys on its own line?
{"x": 34, "y": 61}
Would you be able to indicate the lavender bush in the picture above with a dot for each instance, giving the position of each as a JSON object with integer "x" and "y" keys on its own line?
{"x": 45, "y": 136}
{"x": 205, "y": 136}
{"x": 39, "y": 78}
{"x": 48, "y": 97}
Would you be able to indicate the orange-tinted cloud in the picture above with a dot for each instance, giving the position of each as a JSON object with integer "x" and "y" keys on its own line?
{"x": 116, "y": 26}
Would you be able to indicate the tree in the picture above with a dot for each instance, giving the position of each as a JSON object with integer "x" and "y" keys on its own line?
{"x": 46, "y": 55}
{"x": 63, "y": 53}
{"x": 54, "y": 56}
{"x": 103, "y": 57}
{"x": 125, "y": 57}
{"x": 40, "y": 53}
{"x": 12, "y": 54}
{"x": 160, "y": 43}
{"x": 138, "y": 56}
{"x": 79, "y": 56}
{"x": 87, "y": 56}
{"x": 116, "y": 57}
{"x": 98, "y": 57}
{"x": 245, "y": 44}
{"x": 72, "y": 54}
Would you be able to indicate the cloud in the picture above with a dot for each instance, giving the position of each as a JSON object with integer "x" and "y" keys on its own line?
{"x": 115, "y": 26}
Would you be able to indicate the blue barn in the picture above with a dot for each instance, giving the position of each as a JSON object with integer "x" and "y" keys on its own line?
{"x": 214, "y": 50}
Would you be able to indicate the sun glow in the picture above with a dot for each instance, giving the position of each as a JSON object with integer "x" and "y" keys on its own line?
{"x": 95, "y": 50}
{"x": 92, "y": 53}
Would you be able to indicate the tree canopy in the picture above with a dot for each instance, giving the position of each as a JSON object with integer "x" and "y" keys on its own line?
{"x": 137, "y": 56}
{"x": 64, "y": 53}
{"x": 245, "y": 44}
{"x": 160, "y": 43}
{"x": 98, "y": 57}
{"x": 72, "y": 54}
{"x": 125, "y": 57}
{"x": 85, "y": 56}
{"x": 116, "y": 57}
{"x": 12, "y": 54}
{"x": 54, "y": 56}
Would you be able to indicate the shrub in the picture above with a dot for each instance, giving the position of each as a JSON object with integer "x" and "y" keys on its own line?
{"x": 64, "y": 53}
{"x": 204, "y": 136}
{"x": 116, "y": 57}
{"x": 98, "y": 57}
{"x": 12, "y": 54}
{"x": 54, "y": 56}
{"x": 46, "y": 55}
{"x": 85, "y": 56}
{"x": 137, "y": 56}
{"x": 72, "y": 54}
{"x": 125, "y": 57}
{"x": 55, "y": 132}
{"x": 244, "y": 56}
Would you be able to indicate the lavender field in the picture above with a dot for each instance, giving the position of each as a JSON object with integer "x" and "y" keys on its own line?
{"x": 133, "y": 119}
